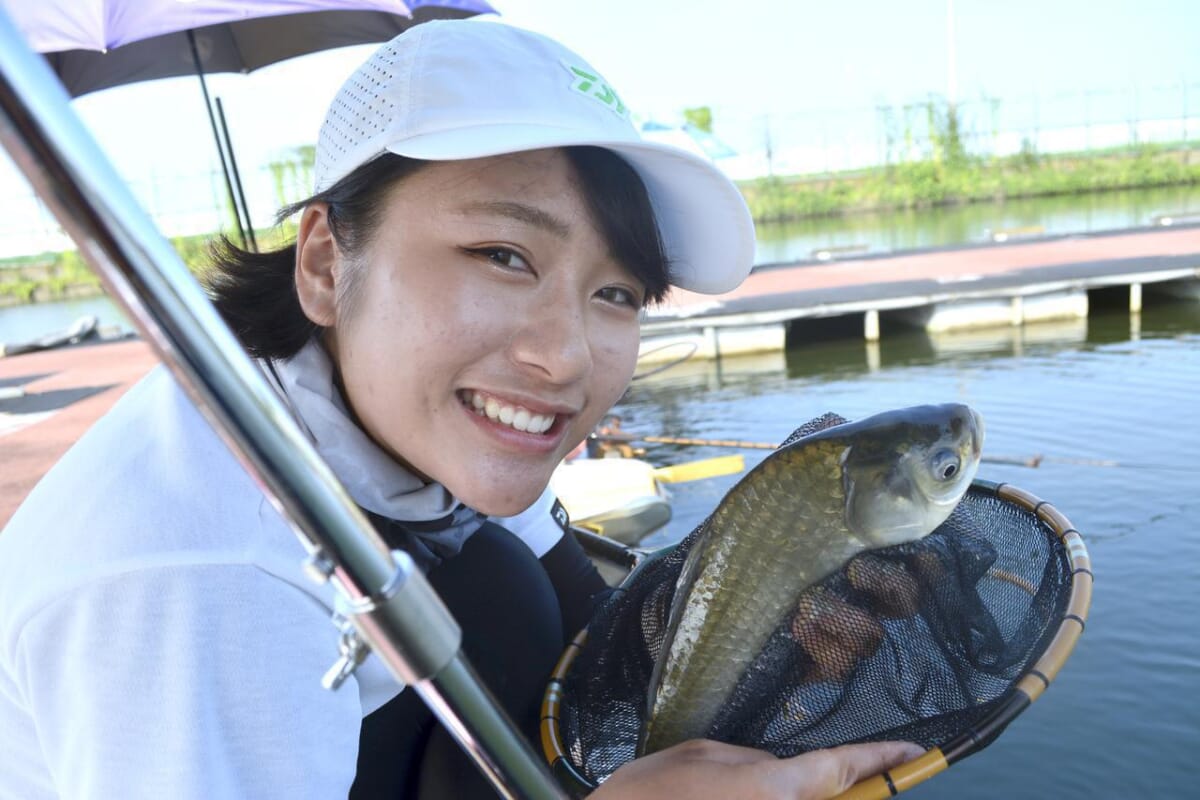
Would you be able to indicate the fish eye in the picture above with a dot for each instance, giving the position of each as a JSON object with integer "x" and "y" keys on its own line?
{"x": 945, "y": 465}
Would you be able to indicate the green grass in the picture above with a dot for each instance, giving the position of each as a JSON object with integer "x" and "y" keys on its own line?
{"x": 55, "y": 276}
{"x": 933, "y": 182}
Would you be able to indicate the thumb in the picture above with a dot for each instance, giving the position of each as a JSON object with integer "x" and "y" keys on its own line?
{"x": 839, "y": 768}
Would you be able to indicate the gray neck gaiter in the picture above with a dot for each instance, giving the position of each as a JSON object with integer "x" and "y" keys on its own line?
{"x": 422, "y": 518}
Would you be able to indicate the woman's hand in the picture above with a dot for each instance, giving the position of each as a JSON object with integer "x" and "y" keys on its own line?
{"x": 837, "y": 635}
{"x": 702, "y": 769}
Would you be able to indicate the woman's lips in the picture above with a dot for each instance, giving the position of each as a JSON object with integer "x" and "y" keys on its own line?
{"x": 513, "y": 415}
{"x": 543, "y": 429}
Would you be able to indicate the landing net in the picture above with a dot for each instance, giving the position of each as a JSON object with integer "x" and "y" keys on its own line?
{"x": 941, "y": 642}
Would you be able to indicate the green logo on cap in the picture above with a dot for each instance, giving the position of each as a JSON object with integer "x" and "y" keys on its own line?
{"x": 593, "y": 86}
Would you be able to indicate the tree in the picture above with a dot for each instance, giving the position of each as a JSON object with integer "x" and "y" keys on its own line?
{"x": 292, "y": 174}
{"x": 699, "y": 117}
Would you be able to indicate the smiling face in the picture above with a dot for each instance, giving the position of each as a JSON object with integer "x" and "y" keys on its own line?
{"x": 484, "y": 329}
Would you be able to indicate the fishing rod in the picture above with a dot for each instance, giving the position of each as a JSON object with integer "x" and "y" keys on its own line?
{"x": 391, "y": 608}
{"x": 670, "y": 364}
{"x": 1032, "y": 461}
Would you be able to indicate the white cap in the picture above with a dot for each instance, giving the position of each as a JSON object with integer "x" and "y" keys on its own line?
{"x": 455, "y": 89}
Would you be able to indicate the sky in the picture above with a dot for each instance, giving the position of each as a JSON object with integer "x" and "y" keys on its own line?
{"x": 750, "y": 60}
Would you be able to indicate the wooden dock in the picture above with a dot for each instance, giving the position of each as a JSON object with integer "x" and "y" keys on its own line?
{"x": 48, "y": 399}
{"x": 988, "y": 285}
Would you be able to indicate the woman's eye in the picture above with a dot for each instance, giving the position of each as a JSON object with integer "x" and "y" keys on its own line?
{"x": 504, "y": 257}
{"x": 620, "y": 296}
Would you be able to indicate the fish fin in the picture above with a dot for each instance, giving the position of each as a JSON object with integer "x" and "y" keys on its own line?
{"x": 815, "y": 425}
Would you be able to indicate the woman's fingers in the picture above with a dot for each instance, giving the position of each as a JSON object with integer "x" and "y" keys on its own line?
{"x": 891, "y": 591}
{"x": 835, "y": 634}
{"x": 705, "y": 769}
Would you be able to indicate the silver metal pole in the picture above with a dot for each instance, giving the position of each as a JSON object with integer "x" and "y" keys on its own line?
{"x": 394, "y": 610}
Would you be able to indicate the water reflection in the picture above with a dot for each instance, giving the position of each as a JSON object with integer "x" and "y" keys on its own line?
{"x": 840, "y": 352}
{"x": 881, "y": 232}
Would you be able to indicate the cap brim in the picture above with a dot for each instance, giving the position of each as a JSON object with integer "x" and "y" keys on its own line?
{"x": 705, "y": 224}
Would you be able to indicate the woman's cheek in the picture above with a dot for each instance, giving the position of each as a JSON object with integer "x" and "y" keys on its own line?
{"x": 619, "y": 359}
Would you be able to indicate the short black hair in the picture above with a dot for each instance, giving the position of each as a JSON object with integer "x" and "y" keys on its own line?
{"x": 256, "y": 295}
{"x": 621, "y": 207}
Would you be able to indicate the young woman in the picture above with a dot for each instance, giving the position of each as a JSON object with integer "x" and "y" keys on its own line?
{"x": 460, "y": 308}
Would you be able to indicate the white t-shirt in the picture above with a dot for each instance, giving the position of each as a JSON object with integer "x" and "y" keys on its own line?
{"x": 158, "y": 637}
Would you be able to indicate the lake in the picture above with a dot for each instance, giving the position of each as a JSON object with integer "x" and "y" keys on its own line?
{"x": 1122, "y": 719}
{"x": 25, "y": 322}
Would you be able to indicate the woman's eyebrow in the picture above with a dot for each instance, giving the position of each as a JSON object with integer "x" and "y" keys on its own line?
{"x": 521, "y": 212}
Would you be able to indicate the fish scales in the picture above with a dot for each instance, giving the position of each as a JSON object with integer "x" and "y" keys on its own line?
{"x": 782, "y": 529}
{"x": 770, "y": 539}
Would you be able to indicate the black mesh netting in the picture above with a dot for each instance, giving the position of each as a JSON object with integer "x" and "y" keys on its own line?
{"x": 916, "y": 642}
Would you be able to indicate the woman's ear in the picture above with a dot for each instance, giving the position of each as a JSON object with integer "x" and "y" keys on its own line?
{"x": 317, "y": 266}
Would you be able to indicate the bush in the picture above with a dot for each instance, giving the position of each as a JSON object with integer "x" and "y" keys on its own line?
{"x": 965, "y": 179}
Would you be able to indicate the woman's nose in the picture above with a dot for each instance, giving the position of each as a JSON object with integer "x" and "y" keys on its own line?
{"x": 553, "y": 342}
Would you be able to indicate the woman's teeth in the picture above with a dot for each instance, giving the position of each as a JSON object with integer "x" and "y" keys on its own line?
{"x": 516, "y": 417}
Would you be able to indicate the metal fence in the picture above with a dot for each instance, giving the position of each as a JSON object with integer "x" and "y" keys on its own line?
{"x": 182, "y": 203}
{"x": 780, "y": 143}
{"x": 835, "y": 140}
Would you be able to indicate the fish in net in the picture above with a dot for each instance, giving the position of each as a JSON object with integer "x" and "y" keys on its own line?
{"x": 939, "y": 641}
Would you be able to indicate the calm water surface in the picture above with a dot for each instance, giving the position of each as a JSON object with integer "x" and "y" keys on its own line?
{"x": 1122, "y": 720}
{"x": 27, "y": 322}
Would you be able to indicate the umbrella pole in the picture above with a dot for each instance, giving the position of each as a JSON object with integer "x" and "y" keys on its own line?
{"x": 392, "y": 610}
{"x": 237, "y": 212}
{"x": 237, "y": 177}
